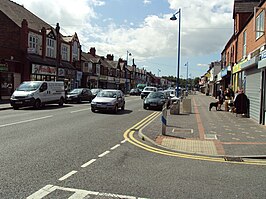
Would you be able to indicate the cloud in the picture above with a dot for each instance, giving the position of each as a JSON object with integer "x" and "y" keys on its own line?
{"x": 205, "y": 27}
{"x": 146, "y": 1}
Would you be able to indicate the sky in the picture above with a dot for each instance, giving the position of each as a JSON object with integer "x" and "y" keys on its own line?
{"x": 143, "y": 29}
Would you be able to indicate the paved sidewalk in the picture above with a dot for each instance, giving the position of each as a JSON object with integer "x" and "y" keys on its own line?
{"x": 5, "y": 105}
{"x": 214, "y": 133}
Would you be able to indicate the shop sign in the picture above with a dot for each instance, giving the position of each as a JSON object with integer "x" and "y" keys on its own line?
{"x": 103, "y": 78}
{"x": 117, "y": 80}
{"x": 224, "y": 72}
{"x": 237, "y": 67}
{"x": 43, "y": 70}
{"x": 122, "y": 81}
{"x": 61, "y": 72}
{"x": 3, "y": 67}
{"x": 263, "y": 55}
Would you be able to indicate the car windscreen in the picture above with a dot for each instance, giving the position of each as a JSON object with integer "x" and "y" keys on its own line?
{"x": 110, "y": 94}
{"x": 29, "y": 86}
{"x": 75, "y": 91}
{"x": 95, "y": 91}
{"x": 156, "y": 95}
{"x": 149, "y": 89}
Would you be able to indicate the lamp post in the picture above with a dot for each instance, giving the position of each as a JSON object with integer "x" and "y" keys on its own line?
{"x": 126, "y": 83}
{"x": 186, "y": 64}
{"x": 173, "y": 18}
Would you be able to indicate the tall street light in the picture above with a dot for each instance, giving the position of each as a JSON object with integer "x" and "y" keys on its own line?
{"x": 173, "y": 18}
{"x": 126, "y": 83}
{"x": 186, "y": 64}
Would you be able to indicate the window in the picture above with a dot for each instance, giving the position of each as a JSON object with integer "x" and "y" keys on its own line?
{"x": 260, "y": 25}
{"x": 244, "y": 44}
{"x": 64, "y": 52}
{"x": 33, "y": 44}
{"x": 50, "y": 46}
{"x": 75, "y": 51}
{"x": 98, "y": 69}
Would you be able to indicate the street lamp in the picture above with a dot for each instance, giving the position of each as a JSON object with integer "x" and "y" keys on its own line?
{"x": 173, "y": 18}
{"x": 186, "y": 64}
{"x": 126, "y": 83}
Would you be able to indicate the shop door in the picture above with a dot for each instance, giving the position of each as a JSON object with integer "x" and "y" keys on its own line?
{"x": 253, "y": 92}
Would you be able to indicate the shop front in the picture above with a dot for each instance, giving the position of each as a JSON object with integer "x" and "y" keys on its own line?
{"x": 262, "y": 67}
{"x": 252, "y": 85}
{"x": 40, "y": 72}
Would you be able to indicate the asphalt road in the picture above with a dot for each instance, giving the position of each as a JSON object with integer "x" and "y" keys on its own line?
{"x": 71, "y": 152}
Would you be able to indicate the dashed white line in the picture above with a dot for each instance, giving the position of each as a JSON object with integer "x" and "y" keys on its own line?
{"x": 67, "y": 175}
{"x": 25, "y": 121}
{"x": 88, "y": 163}
{"x": 103, "y": 154}
{"x": 114, "y": 147}
{"x": 122, "y": 142}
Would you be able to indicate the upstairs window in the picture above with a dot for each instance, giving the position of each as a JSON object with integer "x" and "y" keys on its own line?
{"x": 50, "y": 46}
{"x": 33, "y": 44}
{"x": 260, "y": 25}
{"x": 75, "y": 51}
{"x": 244, "y": 44}
{"x": 64, "y": 52}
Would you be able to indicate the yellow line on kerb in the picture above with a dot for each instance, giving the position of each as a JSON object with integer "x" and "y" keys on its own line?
{"x": 129, "y": 136}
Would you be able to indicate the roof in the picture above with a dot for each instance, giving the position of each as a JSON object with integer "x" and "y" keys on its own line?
{"x": 245, "y": 6}
{"x": 89, "y": 57}
{"x": 17, "y": 13}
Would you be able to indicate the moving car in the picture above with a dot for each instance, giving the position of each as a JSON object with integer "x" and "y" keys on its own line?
{"x": 155, "y": 100}
{"x": 78, "y": 95}
{"x": 37, "y": 94}
{"x": 108, "y": 100}
{"x": 95, "y": 91}
{"x": 134, "y": 91}
{"x": 147, "y": 90}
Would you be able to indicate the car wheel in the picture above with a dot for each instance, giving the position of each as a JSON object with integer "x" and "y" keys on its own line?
{"x": 15, "y": 107}
{"x": 37, "y": 104}
{"x": 123, "y": 107}
{"x": 61, "y": 102}
{"x": 116, "y": 109}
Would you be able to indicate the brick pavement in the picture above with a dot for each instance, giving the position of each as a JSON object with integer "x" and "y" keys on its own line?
{"x": 209, "y": 132}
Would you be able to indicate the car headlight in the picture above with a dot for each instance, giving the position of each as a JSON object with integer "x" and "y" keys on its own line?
{"x": 30, "y": 95}
{"x": 92, "y": 102}
{"x": 12, "y": 97}
{"x": 110, "y": 103}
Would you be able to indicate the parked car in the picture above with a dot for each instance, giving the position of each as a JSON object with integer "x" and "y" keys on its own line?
{"x": 134, "y": 91}
{"x": 37, "y": 94}
{"x": 155, "y": 100}
{"x": 95, "y": 91}
{"x": 147, "y": 90}
{"x": 108, "y": 100}
{"x": 78, "y": 95}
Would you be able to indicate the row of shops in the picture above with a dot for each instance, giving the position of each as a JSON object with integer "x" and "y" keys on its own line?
{"x": 249, "y": 75}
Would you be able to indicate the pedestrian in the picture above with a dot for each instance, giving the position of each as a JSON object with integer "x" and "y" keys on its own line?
{"x": 220, "y": 98}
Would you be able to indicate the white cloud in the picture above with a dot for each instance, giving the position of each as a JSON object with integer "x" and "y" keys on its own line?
{"x": 205, "y": 27}
{"x": 147, "y": 2}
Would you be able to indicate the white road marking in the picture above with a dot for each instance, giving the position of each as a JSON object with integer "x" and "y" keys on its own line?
{"x": 114, "y": 147}
{"x": 77, "y": 193}
{"x": 103, "y": 154}
{"x": 80, "y": 110}
{"x": 122, "y": 142}
{"x": 67, "y": 175}
{"x": 88, "y": 163}
{"x": 25, "y": 121}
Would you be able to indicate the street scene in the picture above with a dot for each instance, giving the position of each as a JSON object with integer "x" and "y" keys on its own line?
{"x": 132, "y": 99}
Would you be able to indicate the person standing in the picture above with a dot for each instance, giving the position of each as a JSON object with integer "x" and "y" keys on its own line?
{"x": 220, "y": 98}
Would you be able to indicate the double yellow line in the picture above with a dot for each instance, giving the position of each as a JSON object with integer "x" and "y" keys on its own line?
{"x": 129, "y": 136}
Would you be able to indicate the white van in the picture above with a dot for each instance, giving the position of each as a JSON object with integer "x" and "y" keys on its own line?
{"x": 38, "y": 93}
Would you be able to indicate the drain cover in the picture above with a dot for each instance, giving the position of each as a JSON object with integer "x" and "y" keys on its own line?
{"x": 234, "y": 159}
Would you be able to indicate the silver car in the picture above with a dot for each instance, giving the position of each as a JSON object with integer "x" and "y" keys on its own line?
{"x": 108, "y": 100}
